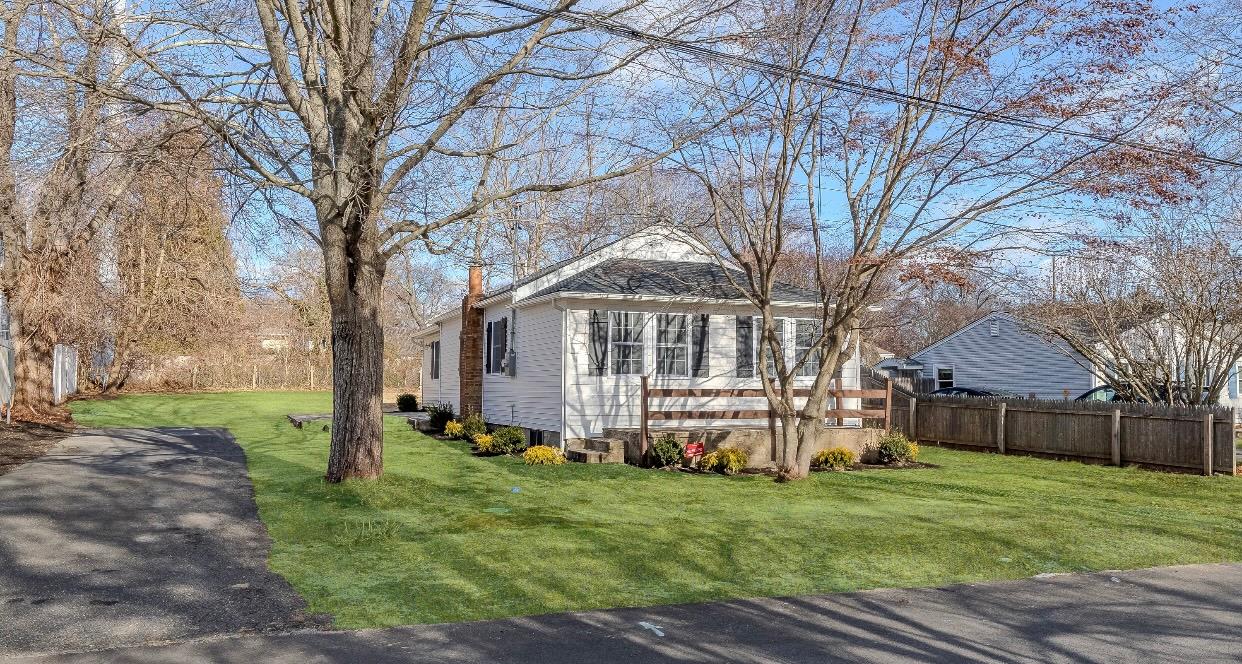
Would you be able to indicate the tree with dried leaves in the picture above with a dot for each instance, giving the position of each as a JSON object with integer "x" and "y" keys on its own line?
{"x": 903, "y": 181}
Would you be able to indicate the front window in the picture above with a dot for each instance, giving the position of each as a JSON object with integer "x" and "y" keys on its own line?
{"x": 778, "y": 327}
{"x": 944, "y": 377}
{"x": 672, "y": 350}
{"x": 626, "y": 336}
{"x": 806, "y": 334}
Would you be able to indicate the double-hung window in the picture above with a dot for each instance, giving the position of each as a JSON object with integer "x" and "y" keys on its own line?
{"x": 496, "y": 346}
{"x": 944, "y": 377}
{"x": 761, "y": 346}
{"x": 625, "y": 335}
{"x": 672, "y": 345}
{"x": 806, "y": 334}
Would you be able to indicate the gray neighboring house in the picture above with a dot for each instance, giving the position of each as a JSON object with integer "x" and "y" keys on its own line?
{"x": 1000, "y": 352}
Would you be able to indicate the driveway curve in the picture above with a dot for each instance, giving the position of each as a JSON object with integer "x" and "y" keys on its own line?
{"x": 135, "y": 536}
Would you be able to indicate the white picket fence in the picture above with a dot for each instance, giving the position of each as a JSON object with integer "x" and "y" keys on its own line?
{"x": 64, "y": 372}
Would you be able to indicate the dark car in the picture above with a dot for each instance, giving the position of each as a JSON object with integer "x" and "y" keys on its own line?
{"x": 1109, "y": 393}
{"x": 1102, "y": 393}
{"x": 971, "y": 392}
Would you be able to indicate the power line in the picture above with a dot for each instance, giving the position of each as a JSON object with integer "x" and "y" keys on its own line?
{"x": 842, "y": 85}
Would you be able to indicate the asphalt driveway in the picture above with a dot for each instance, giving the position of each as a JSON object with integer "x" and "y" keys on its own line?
{"x": 126, "y": 537}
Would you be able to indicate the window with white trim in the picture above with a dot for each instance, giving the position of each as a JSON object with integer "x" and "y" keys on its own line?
{"x": 806, "y": 333}
{"x": 625, "y": 336}
{"x": 944, "y": 377}
{"x": 778, "y": 325}
{"x": 672, "y": 345}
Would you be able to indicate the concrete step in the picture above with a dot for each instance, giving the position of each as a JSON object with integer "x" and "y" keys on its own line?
{"x": 597, "y": 450}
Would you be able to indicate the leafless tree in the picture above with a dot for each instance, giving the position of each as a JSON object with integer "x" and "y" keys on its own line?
{"x": 62, "y": 173}
{"x": 167, "y": 279}
{"x": 1155, "y": 312}
{"x": 371, "y": 114}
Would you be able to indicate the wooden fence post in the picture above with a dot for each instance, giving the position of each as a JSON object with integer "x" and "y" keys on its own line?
{"x": 888, "y": 405}
{"x": 914, "y": 404}
{"x": 254, "y": 377}
{"x": 1000, "y": 428}
{"x": 1116, "y": 437}
{"x": 1233, "y": 419}
{"x": 642, "y": 431}
{"x": 1207, "y": 442}
{"x": 772, "y": 431}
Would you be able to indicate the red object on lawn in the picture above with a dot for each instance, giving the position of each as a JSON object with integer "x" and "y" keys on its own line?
{"x": 694, "y": 449}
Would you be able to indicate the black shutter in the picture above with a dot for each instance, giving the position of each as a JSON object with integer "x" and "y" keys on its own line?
{"x": 434, "y": 352}
{"x": 487, "y": 350}
{"x": 502, "y": 344}
{"x": 699, "y": 346}
{"x": 598, "y": 324}
{"x": 745, "y": 347}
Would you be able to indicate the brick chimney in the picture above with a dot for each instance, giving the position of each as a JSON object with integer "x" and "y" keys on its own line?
{"x": 470, "y": 357}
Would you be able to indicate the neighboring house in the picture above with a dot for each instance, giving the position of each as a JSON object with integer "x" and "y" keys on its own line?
{"x": 1000, "y": 352}
{"x": 562, "y": 353}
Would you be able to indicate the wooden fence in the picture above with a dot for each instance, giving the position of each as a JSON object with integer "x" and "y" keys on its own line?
{"x": 868, "y": 412}
{"x": 1162, "y": 436}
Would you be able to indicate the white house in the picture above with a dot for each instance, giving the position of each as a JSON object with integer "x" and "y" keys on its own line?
{"x": 562, "y": 353}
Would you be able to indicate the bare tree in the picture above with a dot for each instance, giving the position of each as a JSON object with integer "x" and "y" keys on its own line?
{"x": 52, "y": 208}
{"x": 168, "y": 278}
{"x": 370, "y": 113}
{"x": 900, "y": 178}
{"x": 1155, "y": 313}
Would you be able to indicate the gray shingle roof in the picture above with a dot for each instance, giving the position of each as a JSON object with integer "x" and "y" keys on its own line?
{"x": 626, "y": 276}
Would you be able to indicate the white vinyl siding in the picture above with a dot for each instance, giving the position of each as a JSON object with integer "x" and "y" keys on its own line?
{"x": 445, "y": 387}
{"x": 530, "y": 398}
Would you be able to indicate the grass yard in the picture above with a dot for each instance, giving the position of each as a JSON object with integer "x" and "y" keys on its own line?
{"x": 446, "y": 536}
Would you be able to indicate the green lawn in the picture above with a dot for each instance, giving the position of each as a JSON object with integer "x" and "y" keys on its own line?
{"x": 446, "y": 536}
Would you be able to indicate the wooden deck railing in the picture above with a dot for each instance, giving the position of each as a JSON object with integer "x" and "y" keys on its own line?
{"x": 648, "y": 393}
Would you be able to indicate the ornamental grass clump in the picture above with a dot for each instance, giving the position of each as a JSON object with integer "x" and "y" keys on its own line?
{"x": 836, "y": 458}
{"x": 542, "y": 455}
{"x": 895, "y": 448}
{"x": 439, "y": 416}
{"x": 726, "y": 460}
{"x": 473, "y": 425}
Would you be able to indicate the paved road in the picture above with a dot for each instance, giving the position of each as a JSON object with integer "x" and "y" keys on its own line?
{"x": 133, "y": 536}
{"x": 1176, "y": 614}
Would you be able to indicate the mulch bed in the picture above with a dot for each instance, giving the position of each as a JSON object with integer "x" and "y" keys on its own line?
{"x": 22, "y": 441}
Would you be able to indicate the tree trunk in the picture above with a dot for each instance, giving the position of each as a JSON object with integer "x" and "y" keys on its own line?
{"x": 33, "y": 366}
{"x": 354, "y": 286}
